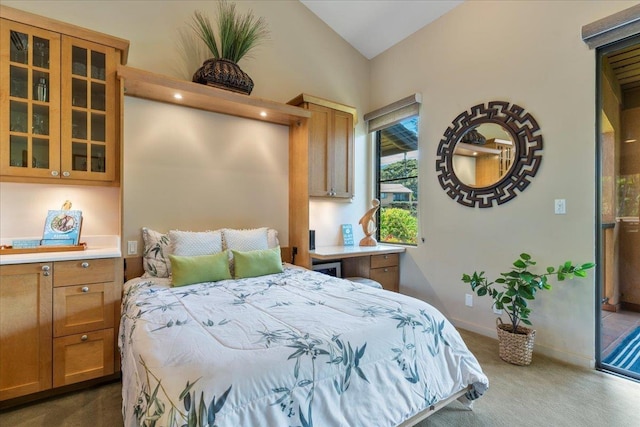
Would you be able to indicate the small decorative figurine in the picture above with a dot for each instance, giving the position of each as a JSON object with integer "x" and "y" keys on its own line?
{"x": 368, "y": 222}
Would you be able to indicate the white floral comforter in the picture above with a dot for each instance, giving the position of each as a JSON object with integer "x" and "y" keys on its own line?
{"x": 293, "y": 349}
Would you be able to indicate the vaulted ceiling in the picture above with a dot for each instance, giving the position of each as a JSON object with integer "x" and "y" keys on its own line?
{"x": 373, "y": 26}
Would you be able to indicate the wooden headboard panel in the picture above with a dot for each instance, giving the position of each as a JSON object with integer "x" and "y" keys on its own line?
{"x": 133, "y": 265}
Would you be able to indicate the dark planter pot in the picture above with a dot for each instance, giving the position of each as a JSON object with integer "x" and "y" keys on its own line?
{"x": 224, "y": 74}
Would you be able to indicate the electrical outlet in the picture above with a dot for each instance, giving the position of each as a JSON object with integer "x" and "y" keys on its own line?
{"x": 497, "y": 311}
{"x": 560, "y": 207}
{"x": 468, "y": 300}
{"x": 132, "y": 247}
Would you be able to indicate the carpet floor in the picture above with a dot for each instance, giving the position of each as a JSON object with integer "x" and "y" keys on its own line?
{"x": 545, "y": 393}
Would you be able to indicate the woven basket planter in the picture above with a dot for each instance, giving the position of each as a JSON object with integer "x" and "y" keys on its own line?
{"x": 223, "y": 74}
{"x": 515, "y": 348}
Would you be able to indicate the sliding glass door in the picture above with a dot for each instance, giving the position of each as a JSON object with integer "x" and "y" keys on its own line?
{"x": 618, "y": 197}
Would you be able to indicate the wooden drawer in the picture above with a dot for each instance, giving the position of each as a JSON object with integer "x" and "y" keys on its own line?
{"x": 388, "y": 277}
{"x": 83, "y": 308}
{"x": 82, "y": 272}
{"x": 82, "y": 357}
{"x": 384, "y": 260}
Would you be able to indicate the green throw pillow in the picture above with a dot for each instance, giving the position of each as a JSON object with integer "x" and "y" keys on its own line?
{"x": 257, "y": 263}
{"x": 188, "y": 270}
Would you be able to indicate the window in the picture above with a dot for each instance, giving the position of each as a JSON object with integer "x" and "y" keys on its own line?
{"x": 395, "y": 131}
{"x": 397, "y": 182}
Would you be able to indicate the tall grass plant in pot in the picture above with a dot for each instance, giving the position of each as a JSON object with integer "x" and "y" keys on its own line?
{"x": 513, "y": 292}
{"x": 233, "y": 38}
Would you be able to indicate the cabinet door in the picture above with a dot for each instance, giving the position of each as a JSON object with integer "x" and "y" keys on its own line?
{"x": 319, "y": 128}
{"x": 341, "y": 149}
{"x": 25, "y": 329}
{"x": 83, "y": 308}
{"x": 89, "y": 110}
{"x": 82, "y": 357}
{"x": 30, "y": 104}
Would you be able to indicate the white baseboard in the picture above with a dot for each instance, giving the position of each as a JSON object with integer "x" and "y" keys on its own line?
{"x": 554, "y": 353}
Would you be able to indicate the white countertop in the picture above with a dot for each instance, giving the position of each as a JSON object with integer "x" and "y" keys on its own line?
{"x": 337, "y": 252}
{"x": 97, "y": 247}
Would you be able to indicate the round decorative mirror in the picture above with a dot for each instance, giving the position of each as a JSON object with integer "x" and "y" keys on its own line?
{"x": 489, "y": 153}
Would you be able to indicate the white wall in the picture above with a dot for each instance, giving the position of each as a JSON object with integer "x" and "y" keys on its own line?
{"x": 193, "y": 170}
{"x": 529, "y": 53}
{"x": 24, "y": 207}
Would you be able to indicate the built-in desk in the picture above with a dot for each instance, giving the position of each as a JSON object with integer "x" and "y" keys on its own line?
{"x": 380, "y": 263}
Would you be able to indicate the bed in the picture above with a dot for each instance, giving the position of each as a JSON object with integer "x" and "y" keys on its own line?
{"x": 292, "y": 348}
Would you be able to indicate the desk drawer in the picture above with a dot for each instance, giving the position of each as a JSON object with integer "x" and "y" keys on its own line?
{"x": 85, "y": 271}
{"x": 388, "y": 277}
{"x": 384, "y": 260}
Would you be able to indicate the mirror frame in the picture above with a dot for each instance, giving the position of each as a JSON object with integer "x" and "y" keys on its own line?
{"x": 527, "y": 140}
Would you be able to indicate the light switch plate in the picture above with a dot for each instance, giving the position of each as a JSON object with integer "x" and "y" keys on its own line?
{"x": 468, "y": 300}
{"x": 560, "y": 206}
{"x": 132, "y": 247}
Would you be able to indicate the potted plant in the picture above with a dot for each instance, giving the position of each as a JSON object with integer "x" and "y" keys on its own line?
{"x": 236, "y": 36}
{"x": 519, "y": 287}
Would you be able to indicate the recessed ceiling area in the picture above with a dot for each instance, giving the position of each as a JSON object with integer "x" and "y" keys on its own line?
{"x": 373, "y": 26}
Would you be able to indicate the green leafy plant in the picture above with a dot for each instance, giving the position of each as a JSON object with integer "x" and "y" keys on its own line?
{"x": 236, "y": 34}
{"x": 519, "y": 285}
{"x": 398, "y": 226}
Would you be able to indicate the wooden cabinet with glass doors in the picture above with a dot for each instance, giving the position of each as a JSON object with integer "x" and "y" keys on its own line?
{"x": 60, "y": 105}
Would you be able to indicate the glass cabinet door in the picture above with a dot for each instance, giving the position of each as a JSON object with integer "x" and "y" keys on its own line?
{"x": 88, "y": 103}
{"x": 30, "y": 115}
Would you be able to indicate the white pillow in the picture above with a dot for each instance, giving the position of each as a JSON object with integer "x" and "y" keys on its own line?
{"x": 245, "y": 240}
{"x": 272, "y": 238}
{"x": 195, "y": 243}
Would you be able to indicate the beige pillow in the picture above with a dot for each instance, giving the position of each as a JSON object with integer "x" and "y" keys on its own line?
{"x": 155, "y": 258}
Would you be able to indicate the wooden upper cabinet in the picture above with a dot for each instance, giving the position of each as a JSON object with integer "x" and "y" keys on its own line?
{"x": 330, "y": 147}
{"x": 25, "y": 329}
{"x": 61, "y": 101}
{"x": 30, "y": 113}
{"x": 89, "y": 110}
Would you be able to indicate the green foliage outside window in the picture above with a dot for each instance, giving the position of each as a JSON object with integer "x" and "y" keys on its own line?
{"x": 398, "y": 226}
{"x": 402, "y": 169}
{"x": 398, "y": 220}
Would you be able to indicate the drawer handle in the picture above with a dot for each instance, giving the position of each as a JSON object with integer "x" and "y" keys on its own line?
{"x": 84, "y": 338}
{"x": 85, "y": 265}
{"x": 45, "y": 269}
{"x": 386, "y": 270}
{"x": 386, "y": 257}
{"x": 85, "y": 289}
